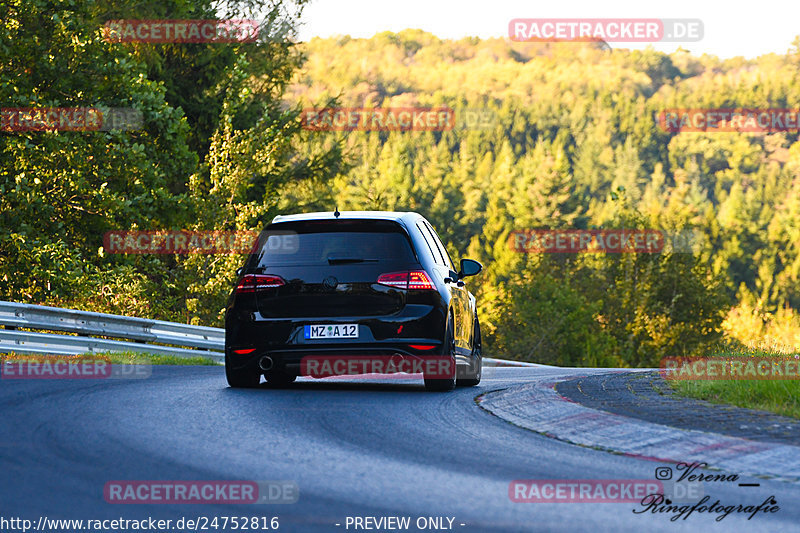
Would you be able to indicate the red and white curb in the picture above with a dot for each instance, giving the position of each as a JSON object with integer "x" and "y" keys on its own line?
{"x": 538, "y": 407}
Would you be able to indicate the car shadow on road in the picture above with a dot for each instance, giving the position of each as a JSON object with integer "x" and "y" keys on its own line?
{"x": 392, "y": 385}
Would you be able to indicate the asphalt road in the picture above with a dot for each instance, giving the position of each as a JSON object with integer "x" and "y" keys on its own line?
{"x": 354, "y": 449}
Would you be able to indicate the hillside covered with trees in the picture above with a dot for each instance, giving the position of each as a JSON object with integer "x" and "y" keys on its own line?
{"x": 572, "y": 143}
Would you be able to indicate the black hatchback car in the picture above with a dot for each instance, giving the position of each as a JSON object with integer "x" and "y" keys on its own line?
{"x": 360, "y": 292}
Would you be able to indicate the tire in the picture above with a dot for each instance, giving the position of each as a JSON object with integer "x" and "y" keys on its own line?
{"x": 473, "y": 376}
{"x": 443, "y": 385}
{"x": 241, "y": 379}
{"x": 277, "y": 378}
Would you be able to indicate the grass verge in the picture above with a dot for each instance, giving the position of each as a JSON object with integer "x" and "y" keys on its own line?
{"x": 780, "y": 396}
{"x": 138, "y": 358}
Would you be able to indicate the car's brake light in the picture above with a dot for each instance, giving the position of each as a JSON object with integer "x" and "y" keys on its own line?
{"x": 258, "y": 282}
{"x": 244, "y": 351}
{"x": 418, "y": 279}
{"x": 412, "y": 279}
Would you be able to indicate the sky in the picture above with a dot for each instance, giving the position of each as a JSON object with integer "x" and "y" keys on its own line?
{"x": 729, "y": 30}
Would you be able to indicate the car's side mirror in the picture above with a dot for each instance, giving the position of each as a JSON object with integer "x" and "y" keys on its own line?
{"x": 239, "y": 271}
{"x": 469, "y": 267}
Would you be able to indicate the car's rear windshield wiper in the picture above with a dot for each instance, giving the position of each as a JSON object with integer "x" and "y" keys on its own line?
{"x": 343, "y": 260}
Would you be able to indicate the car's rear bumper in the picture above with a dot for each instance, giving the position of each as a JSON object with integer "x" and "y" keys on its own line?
{"x": 283, "y": 340}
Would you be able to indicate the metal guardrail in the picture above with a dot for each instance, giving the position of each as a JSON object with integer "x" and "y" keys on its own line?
{"x": 206, "y": 341}
{"x": 210, "y": 342}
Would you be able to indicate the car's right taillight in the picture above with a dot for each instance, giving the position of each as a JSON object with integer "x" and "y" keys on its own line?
{"x": 410, "y": 279}
{"x": 258, "y": 282}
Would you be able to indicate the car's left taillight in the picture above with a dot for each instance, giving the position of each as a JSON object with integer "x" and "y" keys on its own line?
{"x": 258, "y": 282}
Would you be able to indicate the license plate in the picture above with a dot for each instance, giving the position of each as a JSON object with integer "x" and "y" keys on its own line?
{"x": 332, "y": 331}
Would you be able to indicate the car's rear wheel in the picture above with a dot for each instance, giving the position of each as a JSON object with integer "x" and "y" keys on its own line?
{"x": 241, "y": 378}
{"x": 448, "y": 383}
{"x": 473, "y": 376}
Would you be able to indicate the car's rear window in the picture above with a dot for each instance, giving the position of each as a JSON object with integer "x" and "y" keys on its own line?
{"x": 327, "y": 242}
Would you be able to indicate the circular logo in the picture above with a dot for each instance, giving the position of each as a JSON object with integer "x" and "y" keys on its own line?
{"x": 330, "y": 283}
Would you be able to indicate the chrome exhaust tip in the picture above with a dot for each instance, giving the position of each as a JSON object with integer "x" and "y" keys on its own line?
{"x": 265, "y": 363}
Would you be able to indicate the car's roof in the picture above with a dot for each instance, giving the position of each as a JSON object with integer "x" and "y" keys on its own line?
{"x": 406, "y": 216}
